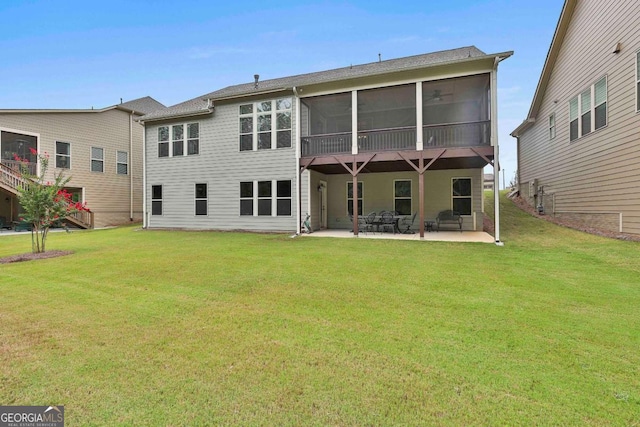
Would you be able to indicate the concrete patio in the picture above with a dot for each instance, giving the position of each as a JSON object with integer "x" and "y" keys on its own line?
{"x": 436, "y": 236}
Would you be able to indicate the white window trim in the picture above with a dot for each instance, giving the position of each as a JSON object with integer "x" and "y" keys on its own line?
{"x": 161, "y": 200}
{"x": 121, "y": 163}
{"x": 274, "y": 124}
{"x": 360, "y": 197}
{"x": 462, "y": 197}
{"x": 552, "y": 126}
{"x": 168, "y": 141}
{"x": 196, "y": 199}
{"x": 92, "y": 159}
{"x": 185, "y": 139}
{"x": 274, "y": 198}
{"x": 401, "y": 198}
{"x": 592, "y": 108}
{"x": 64, "y": 155}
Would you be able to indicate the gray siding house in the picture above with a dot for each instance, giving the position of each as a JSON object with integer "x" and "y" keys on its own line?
{"x": 579, "y": 147}
{"x": 410, "y": 135}
{"x": 100, "y": 149}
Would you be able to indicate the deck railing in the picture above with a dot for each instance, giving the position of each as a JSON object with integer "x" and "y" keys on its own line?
{"x": 10, "y": 177}
{"x": 468, "y": 134}
{"x": 387, "y": 139}
{"x": 12, "y": 164}
{"x": 334, "y": 143}
{"x": 12, "y": 180}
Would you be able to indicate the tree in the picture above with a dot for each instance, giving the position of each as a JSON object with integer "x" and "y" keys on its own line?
{"x": 44, "y": 204}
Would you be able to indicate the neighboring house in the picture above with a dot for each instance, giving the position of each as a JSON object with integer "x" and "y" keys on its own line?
{"x": 489, "y": 181}
{"x": 101, "y": 150}
{"x": 579, "y": 147}
{"x": 410, "y": 134}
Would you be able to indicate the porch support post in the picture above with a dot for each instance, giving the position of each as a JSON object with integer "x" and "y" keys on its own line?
{"x": 354, "y": 122}
{"x": 355, "y": 200}
{"x": 419, "y": 130}
{"x": 301, "y": 169}
{"x": 421, "y": 191}
{"x": 421, "y": 169}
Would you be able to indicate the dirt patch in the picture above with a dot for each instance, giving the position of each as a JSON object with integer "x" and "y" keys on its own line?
{"x": 32, "y": 256}
{"x": 523, "y": 205}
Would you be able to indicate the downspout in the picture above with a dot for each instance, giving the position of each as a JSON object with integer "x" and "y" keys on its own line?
{"x": 144, "y": 176}
{"x": 130, "y": 166}
{"x": 298, "y": 152}
{"x": 496, "y": 149}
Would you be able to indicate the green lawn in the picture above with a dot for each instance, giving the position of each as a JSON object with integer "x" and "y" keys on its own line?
{"x": 183, "y": 328}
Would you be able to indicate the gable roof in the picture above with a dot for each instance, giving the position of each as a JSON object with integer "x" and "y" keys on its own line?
{"x": 138, "y": 106}
{"x": 143, "y": 105}
{"x": 200, "y": 104}
{"x": 549, "y": 63}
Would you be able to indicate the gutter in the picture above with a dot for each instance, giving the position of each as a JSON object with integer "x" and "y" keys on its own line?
{"x": 496, "y": 148}
{"x": 298, "y": 174}
{"x": 199, "y": 112}
{"x": 130, "y": 166}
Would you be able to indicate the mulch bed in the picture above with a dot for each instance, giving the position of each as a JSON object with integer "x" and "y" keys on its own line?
{"x": 32, "y": 256}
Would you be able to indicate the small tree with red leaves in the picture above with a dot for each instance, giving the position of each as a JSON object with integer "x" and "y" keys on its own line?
{"x": 44, "y": 203}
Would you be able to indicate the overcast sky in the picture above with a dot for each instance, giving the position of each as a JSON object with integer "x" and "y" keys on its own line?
{"x": 83, "y": 54}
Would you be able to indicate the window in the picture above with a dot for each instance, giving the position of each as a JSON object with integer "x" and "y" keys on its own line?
{"x": 193, "y": 138}
{"x": 264, "y": 126}
{"x": 175, "y": 135}
{"x": 246, "y": 198}
{"x": 97, "y": 159}
{"x": 122, "y": 162}
{"x": 156, "y": 200}
{"x": 283, "y": 203}
{"x": 265, "y": 198}
{"x": 402, "y": 196}
{"x": 552, "y": 126}
{"x": 246, "y": 127}
{"x": 588, "y": 111}
{"x": 163, "y": 141}
{"x": 262, "y": 123}
{"x": 283, "y": 123}
{"x": 461, "y": 195}
{"x": 63, "y": 155}
{"x": 201, "y": 199}
{"x": 177, "y": 140}
{"x": 350, "y": 197}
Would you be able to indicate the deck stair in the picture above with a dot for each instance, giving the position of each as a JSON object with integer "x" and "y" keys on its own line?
{"x": 11, "y": 181}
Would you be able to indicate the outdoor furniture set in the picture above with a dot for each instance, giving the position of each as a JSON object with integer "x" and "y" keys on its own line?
{"x": 389, "y": 221}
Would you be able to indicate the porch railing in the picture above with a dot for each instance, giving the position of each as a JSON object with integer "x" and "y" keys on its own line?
{"x": 387, "y": 139}
{"x": 10, "y": 177}
{"x": 12, "y": 164}
{"x": 12, "y": 180}
{"x": 469, "y": 134}
{"x": 334, "y": 143}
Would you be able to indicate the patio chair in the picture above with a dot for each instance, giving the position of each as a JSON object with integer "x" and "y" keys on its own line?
{"x": 371, "y": 221}
{"x": 363, "y": 225}
{"x": 407, "y": 223}
{"x": 388, "y": 222}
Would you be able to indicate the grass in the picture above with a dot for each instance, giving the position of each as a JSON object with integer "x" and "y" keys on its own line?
{"x": 186, "y": 328}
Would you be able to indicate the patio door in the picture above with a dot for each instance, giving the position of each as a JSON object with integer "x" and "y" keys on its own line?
{"x": 323, "y": 205}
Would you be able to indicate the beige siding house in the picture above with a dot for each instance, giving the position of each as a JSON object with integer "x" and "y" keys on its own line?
{"x": 409, "y": 136}
{"x": 579, "y": 147}
{"x": 101, "y": 150}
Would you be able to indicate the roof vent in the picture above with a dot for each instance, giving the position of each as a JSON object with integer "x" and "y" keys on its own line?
{"x": 256, "y": 78}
